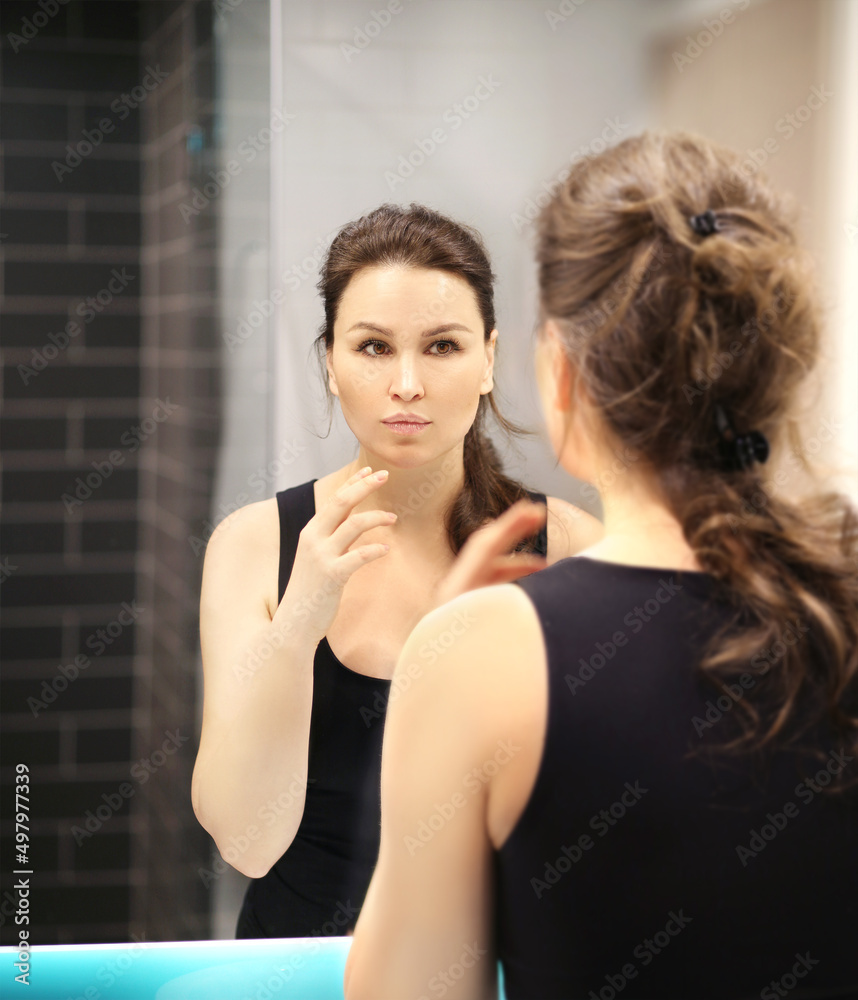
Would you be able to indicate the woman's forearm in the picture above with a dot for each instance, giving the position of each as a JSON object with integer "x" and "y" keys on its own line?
{"x": 250, "y": 780}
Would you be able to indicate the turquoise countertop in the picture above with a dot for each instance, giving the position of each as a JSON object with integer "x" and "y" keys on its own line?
{"x": 276, "y": 969}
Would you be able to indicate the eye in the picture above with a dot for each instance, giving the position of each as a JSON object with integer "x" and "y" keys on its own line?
{"x": 361, "y": 349}
{"x": 450, "y": 343}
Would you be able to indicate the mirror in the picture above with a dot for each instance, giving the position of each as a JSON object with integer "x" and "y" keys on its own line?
{"x": 174, "y": 172}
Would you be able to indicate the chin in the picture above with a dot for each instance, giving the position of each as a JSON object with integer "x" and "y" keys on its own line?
{"x": 403, "y": 454}
{"x": 404, "y": 462}
{"x": 408, "y": 454}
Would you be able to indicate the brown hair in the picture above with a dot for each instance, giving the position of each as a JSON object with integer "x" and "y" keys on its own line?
{"x": 418, "y": 237}
{"x": 662, "y": 325}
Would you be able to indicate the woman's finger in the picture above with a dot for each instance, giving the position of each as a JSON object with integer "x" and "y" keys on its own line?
{"x": 506, "y": 531}
{"x": 344, "y": 499}
{"x": 506, "y": 569}
{"x": 521, "y": 564}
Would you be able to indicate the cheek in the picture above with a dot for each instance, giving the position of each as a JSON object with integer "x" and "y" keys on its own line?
{"x": 358, "y": 381}
{"x": 458, "y": 397}
{"x": 468, "y": 377}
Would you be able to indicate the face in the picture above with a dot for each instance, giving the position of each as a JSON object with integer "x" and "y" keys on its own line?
{"x": 409, "y": 341}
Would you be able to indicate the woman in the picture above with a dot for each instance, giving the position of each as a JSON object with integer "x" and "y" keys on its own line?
{"x": 300, "y": 636}
{"x": 635, "y": 774}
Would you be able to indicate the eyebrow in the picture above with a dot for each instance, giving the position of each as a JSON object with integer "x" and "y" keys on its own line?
{"x": 446, "y": 328}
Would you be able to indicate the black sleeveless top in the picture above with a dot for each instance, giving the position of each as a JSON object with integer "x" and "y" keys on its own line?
{"x": 319, "y": 884}
{"x": 635, "y": 872}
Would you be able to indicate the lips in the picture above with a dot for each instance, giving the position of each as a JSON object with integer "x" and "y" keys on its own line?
{"x": 406, "y": 424}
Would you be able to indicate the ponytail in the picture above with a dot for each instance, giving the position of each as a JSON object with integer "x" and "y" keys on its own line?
{"x": 667, "y": 324}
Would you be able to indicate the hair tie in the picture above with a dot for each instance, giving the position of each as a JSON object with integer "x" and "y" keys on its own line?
{"x": 705, "y": 223}
{"x": 739, "y": 451}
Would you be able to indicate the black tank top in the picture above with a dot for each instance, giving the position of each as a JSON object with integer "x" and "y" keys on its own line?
{"x": 636, "y": 872}
{"x": 319, "y": 884}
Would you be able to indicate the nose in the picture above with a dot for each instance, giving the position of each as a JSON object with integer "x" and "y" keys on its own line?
{"x": 405, "y": 381}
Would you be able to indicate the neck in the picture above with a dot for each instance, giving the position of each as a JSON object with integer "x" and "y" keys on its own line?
{"x": 419, "y": 495}
{"x": 638, "y": 514}
{"x": 639, "y": 526}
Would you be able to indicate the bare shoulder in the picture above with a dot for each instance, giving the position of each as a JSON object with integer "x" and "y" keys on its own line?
{"x": 570, "y": 529}
{"x": 483, "y": 690}
{"x": 244, "y": 551}
{"x": 255, "y": 524}
{"x": 483, "y": 648}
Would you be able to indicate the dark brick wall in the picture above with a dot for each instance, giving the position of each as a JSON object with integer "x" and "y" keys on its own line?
{"x": 109, "y": 433}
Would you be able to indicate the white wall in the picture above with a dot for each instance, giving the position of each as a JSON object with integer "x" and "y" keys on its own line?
{"x": 243, "y": 113}
{"x": 556, "y": 87}
{"x": 749, "y": 88}
{"x": 841, "y": 224}
{"x": 364, "y": 93}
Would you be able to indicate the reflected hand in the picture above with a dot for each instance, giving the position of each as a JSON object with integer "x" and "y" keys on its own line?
{"x": 486, "y": 558}
{"x": 324, "y": 562}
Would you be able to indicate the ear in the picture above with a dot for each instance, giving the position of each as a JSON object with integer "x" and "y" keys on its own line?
{"x": 488, "y": 381}
{"x": 564, "y": 376}
{"x": 332, "y": 378}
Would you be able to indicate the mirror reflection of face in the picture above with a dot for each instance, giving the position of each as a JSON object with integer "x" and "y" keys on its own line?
{"x": 409, "y": 340}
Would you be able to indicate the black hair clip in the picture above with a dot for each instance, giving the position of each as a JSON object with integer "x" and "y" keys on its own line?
{"x": 739, "y": 451}
{"x": 705, "y": 223}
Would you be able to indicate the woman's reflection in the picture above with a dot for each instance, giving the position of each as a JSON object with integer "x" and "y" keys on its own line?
{"x": 308, "y": 598}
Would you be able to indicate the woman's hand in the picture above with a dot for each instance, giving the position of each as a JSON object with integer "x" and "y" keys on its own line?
{"x": 323, "y": 562}
{"x": 486, "y": 558}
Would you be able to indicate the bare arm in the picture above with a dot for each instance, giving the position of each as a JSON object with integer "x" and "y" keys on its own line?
{"x": 250, "y": 775}
{"x": 461, "y": 728}
{"x": 251, "y": 771}
{"x": 425, "y": 925}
